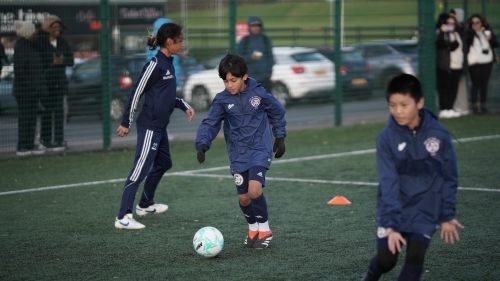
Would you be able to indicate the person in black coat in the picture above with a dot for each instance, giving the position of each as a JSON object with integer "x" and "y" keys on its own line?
{"x": 29, "y": 86}
{"x": 449, "y": 62}
{"x": 56, "y": 56}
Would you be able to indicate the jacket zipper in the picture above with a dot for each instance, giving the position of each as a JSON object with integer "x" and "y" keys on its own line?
{"x": 241, "y": 102}
{"x": 415, "y": 141}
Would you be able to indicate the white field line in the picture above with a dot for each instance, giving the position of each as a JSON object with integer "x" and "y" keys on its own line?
{"x": 196, "y": 173}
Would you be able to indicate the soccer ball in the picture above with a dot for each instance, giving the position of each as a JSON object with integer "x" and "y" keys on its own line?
{"x": 208, "y": 242}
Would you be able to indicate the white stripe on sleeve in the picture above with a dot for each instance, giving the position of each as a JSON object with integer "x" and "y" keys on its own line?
{"x": 140, "y": 89}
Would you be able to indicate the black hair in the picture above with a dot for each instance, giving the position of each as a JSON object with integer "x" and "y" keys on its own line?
{"x": 405, "y": 84}
{"x": 442, "y": 19}
{"x": 234, "y": 64}
{"x": 167, "y": 30}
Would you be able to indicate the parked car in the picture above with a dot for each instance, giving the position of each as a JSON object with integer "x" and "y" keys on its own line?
{"x": 357, "y": 78}
{"x": 85, "y": 85}
{"x": 408, "y": 47}
{"x": 385, "y": 62}
{"x": 298, "y": 73}
{"x": 8, "y": 103}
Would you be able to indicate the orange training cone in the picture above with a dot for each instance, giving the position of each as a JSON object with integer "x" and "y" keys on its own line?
{"x": 339, "y": 200}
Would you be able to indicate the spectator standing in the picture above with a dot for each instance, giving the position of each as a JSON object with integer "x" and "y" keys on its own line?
{"x": 3, "y": 56}
{"x": 257, "y": 49}
{"x": 462, "y": 101}
{"x": 480, "y": 41}
{"x": 29, "y": 86}
{"x": 450, "y": 61}
{"x": 56, "y": 56}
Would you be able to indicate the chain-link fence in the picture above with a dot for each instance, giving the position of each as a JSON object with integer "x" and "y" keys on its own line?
{"x": 52, "y": 85}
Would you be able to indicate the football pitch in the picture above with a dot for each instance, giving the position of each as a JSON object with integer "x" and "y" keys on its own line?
{"x": 58, "y": 211}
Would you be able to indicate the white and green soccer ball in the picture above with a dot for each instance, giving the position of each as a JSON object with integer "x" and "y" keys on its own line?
{"x": 208, "y": 242}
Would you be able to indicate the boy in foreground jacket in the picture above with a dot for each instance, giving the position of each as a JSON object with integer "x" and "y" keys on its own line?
{"x": 246, "y": 109}
{"x": 418, "y": 179}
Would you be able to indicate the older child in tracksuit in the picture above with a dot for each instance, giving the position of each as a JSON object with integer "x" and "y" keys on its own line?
{"x": 246, "y": 109}
{"x": 418, "y": 179}
{"x": 152, "y": 157}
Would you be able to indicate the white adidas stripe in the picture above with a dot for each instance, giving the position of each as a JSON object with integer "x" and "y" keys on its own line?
{"x": 140, "y": 89}
{"x": 186, "y": 104}
{"x": 144, "y": 154}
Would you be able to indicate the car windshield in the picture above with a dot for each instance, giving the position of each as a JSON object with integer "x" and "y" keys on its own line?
{"x": 306, "y": 57}
{"x": 406, "y": 49}
{"x": 351, "y": 57}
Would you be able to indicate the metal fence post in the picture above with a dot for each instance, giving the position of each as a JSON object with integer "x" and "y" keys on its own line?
{"x": 427, "y": 52}
{"x": 232, "y": 26}
{"x": 104, "y": 17}
{"x": 338, "y": 62}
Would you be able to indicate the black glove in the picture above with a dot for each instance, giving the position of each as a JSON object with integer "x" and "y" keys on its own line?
{"x": 279, "y": 147}
{"x": 201, "y": 153}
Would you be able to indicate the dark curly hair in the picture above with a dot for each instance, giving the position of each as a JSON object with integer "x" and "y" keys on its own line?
{"x": 234, "y": 64}
{"x": 484, "y": 23}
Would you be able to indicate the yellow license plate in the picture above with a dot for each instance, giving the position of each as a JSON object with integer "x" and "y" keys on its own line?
{"x": 320, "y": 72}
{"x": 359, "y": 81}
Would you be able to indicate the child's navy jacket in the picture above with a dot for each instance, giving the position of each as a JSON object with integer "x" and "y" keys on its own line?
{"x": 157, "y": 83}
{"x": 247, "y": 132}
{"x": 418, "y": 178}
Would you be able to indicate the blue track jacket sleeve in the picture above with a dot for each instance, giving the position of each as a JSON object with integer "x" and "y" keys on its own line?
{"x": 145, "y": 81}
{"x": 276, "y": 115}
{"x": 180, "y": 103}
{"x": 388, "y": 202}
{"x": 210, "y": 126}
{"x": 450, "y": 186}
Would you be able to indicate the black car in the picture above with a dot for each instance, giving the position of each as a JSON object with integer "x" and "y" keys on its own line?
{"x": 85, "y": 85}
{"x": 357, "y": 79}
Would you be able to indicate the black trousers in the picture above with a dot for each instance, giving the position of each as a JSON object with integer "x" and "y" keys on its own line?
{"x": 53, "y": 104}
{"x": 27, "y": 110}
{"x": 447, "y": 86}
{"x": 479, "y": 77}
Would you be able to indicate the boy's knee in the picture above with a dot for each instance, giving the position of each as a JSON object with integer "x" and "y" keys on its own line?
{"x": 386, "y": 260}
{"x": 254, "y": 189}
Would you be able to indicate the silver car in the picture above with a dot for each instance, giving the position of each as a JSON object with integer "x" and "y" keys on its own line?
{"x": 385, "y": 62}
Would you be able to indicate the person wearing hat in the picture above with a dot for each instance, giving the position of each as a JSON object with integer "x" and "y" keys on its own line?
{"x": 29, "y": 85}
{"x": 257, "y": 49}
{"x": 56, "y": 56}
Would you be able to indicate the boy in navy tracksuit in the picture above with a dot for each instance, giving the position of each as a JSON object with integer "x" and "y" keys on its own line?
{"x": 157, "y": 83}
{"x": 246, "y": 109}
{"x": 418, "y": 179}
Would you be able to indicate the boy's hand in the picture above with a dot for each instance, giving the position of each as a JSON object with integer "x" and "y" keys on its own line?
{"x": 201, "y": 153}
{"x": 449, "y": 231}
{"x": 122, "y": 131}
{"x": 394, "y": 240}
{"x": 279, "y": 147}
{"x": 190, "y": 114}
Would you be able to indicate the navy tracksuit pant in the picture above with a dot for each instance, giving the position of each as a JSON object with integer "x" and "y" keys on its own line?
{"x": 152, "y": 159}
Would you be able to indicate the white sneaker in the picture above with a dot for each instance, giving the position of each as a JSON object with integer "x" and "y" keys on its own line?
{"x": 153, "y": 209}
{"x": 453, "y": 113}
{"x": 462, "y": 112}
{"x": 128, "y": 222}
{"x": 448, "y": 113}
{"x": 38, "y": 149}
